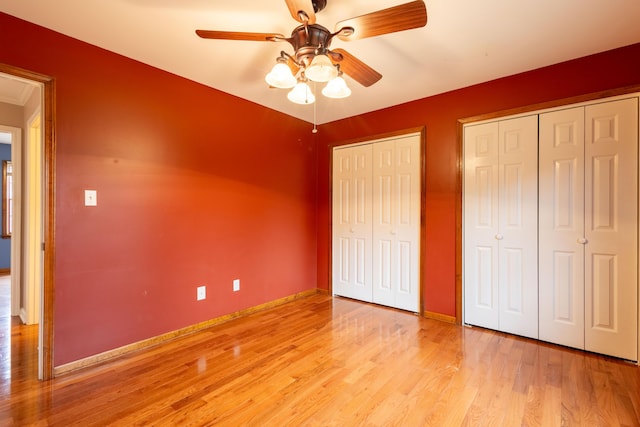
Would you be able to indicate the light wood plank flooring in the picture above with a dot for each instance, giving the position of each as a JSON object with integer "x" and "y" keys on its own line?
{"x": 321, "y": 361}
{"x": 17, "y": 342}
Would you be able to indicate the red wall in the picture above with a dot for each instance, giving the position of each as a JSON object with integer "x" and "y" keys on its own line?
{"x": 195, "y": 187}
{"x": 440, "y": 114}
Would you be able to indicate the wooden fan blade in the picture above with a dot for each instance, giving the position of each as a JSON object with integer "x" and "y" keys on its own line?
{"x": 354, "y": 68}
{"x": 304, "y": 6}
{"x": 398, "y": 18}
{"x": 234, "y": 35}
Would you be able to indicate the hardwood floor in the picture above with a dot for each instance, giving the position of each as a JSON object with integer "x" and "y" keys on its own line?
{"x": 17, "y": 342}
{"x": 333, "y": 362}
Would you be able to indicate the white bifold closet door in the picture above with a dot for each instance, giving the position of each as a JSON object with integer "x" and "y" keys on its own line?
{"x": 352, "y": 222}
{"x": 396, "y": 223}
{"x": 500, "y": 225}
{"x": 376, "y": 222}
{"x": 589, "y": 227}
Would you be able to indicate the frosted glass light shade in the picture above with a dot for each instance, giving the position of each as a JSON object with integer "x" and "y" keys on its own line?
{"x": 336, "y": 88}
{"x": 301, "y": 94}
{"x": 321, "y": 69}
{"x": 281, "y": 77}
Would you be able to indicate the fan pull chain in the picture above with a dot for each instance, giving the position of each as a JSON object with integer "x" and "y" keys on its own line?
{"x": 315, "y": 110}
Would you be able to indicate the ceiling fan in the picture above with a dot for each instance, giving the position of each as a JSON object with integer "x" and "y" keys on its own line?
{"x": 313, "y": 60}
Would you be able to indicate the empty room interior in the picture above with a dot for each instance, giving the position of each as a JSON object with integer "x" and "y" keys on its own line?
{"x": 323, "y": 213}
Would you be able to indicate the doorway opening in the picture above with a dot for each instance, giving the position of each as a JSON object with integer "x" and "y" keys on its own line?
{"x": 32, "y": 244}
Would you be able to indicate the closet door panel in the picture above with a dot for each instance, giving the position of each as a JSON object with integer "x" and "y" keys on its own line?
{"x": 407, "y": 228}
{"x": 396, "y": 222}
{"x": 561, "y": 223}
{"x": 611, "y": 144}
{"x": 518, "y": 226}
{"x": 384, "y": 217}
{"x": 481, "y": 159}
{"x": 351, "y": 222}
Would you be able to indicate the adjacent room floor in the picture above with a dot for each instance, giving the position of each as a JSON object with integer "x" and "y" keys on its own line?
{"x": 18, "y": 343}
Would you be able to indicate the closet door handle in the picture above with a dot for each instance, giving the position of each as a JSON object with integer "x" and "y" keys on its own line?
{"x": 499, "y": 237}
{"x": 393, "y": 233}
{"x": 582, "y": 241}
{"x": 351, "y": 230}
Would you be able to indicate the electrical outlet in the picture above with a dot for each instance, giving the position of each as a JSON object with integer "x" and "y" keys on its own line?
{"x": 236, "y": 285}
{"x": 201, "y": 293}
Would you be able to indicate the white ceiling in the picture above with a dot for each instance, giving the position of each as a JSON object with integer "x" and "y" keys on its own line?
{"x": 465, "y": 42}
{"x": 14, "y": 91}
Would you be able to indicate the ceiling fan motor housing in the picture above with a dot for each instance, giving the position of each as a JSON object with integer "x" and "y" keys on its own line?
{"x": 318, "y": 5}
{"x": 307, "y": 40}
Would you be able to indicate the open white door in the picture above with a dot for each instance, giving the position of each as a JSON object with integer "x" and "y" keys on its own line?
{"x": 32, "y": 221}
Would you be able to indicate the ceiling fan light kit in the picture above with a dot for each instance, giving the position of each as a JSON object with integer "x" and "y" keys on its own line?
{"x": 301, "y": 94}
{"x": 336, "y": 88}
{"x": 321, "y": 69}
{"x": 281, "y": 77}
{"x": 312, "y": 59}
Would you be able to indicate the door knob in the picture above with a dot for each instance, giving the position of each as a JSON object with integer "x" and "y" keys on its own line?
{"x": 499, "y": 237}
{"x": 582, "y": 241}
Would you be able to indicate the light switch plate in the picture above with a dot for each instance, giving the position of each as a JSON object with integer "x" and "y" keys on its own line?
{"x": 90, "y": 198}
